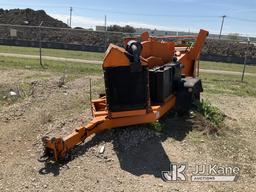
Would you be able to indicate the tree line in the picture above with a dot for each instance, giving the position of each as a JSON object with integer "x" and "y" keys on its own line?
{"x": 125, "y": 29}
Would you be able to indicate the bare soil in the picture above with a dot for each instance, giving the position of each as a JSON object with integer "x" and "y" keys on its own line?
{"x": 134, "y": 156}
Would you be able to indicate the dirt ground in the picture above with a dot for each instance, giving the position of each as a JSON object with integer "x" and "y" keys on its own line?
{"x": 134, "y": 156}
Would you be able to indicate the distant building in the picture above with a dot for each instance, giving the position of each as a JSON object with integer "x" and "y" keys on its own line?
{"x": 100, "y": 28}
{"x": 156, "y": 32}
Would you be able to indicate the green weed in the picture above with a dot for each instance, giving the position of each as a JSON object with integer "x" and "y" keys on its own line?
{"x": 210, "y": 112}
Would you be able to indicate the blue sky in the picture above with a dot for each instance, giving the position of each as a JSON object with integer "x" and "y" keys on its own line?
{"x": 185, "y": 15}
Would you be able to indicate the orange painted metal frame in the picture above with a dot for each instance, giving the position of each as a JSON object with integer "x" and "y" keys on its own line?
{"x": 103, "y": 119}
{"x": 60, "y": 146}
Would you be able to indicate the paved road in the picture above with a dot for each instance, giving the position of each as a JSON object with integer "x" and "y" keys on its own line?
{"x": 100, "y": 62}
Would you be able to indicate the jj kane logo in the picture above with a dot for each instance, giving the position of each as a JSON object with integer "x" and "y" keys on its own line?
{"x": 201, "y": 173}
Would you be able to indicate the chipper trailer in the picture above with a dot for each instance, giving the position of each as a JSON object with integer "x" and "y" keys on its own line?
{"x": 143, "y": 81}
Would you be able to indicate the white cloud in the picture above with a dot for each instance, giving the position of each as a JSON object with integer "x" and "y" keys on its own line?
{"x": 86, "y": 22}
{"x": 78, "y": 21}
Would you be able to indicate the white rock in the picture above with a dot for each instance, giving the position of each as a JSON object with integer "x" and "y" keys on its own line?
{"x": 101, "y": 149}
{"x": 12, "y": 93}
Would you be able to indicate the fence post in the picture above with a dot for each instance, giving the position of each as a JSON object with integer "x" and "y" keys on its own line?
{"x": 245, "y": 58}
{"x": 40, "y": 45}
{"x": 106, "y": 32}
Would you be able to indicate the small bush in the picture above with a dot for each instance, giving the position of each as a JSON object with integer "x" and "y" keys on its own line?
{"x": 212, "y": 113}
{"x": 45, "y": 117}
{"x": 157, "y": 126}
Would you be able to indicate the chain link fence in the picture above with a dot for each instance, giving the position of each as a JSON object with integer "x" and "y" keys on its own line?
{"x": 225, "y": 50}
{"x": 60, "y": 38}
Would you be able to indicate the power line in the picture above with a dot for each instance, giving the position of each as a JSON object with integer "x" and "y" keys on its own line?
{"x": 146, "y": 14}
{"x": 242, "y": 19}
{"x": 115, "y": 12}
{"x": 35, "y": 5}
{"x": 130, "y": 13}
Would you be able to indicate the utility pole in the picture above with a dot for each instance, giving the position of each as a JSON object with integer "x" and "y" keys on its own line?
{"x": 70, "y": 17}
{"x": 105, "y": 22}
{"x": 223, "y": 17}
{"x": 245, "y": 58}
{"x": 40, "y": 45}
{"x": 106, "y": 29}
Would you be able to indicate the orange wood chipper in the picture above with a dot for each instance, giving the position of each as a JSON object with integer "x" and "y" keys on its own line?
{"x": 143, "y": 81}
